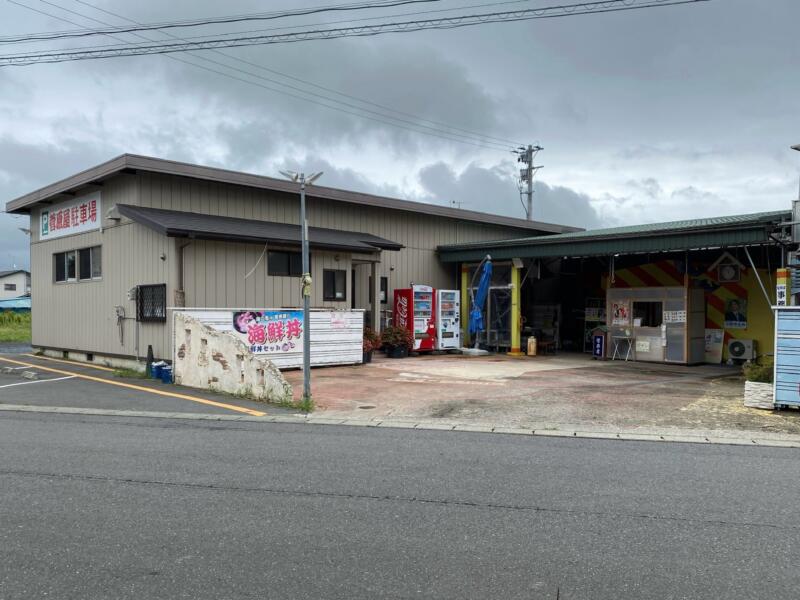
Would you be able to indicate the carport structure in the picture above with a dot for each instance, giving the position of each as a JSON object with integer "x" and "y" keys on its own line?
{"x": 550, "y": 285}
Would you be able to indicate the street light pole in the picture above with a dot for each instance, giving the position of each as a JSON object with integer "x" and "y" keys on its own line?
{"x": 305, "y": 280}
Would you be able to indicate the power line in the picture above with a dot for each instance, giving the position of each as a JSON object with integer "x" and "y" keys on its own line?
{"x": 582, "y": 8}
{"x": 267, "y": 29}
{"x": 269, "y": 16}
{"x": 445, "y": 135}
{"x": 438, "y": 124}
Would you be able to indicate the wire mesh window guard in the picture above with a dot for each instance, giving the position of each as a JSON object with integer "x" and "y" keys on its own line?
{"x": 151, "y": 303}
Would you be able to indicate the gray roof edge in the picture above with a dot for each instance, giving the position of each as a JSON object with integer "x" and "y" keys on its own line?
{"x": 147, "y": 216}
{"x": 81, "y": 178}
{"x": 171, "y": 167}
{"x": 759, "y": 220}
{"x": 13, "y": 272}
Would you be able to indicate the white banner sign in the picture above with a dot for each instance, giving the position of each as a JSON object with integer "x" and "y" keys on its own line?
{"x": 277, "y": 334}
{"x": 68, "y": 218}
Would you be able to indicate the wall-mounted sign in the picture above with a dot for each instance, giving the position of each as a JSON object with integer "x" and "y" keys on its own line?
{"x": 736, "y": 314}
{"x": 674, "y": 316}
{"x": 338, "y": 320}
{"x": 68, "y": 218}
{"x": 269, "y": 332}
{"x": 621, "y": 313}
{"x": 780, "y": 294}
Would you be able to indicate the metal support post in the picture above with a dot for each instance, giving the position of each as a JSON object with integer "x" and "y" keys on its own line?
{"x": 516, "y": 324}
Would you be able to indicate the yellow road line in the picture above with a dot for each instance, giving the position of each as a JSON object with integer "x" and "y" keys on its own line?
{"x": 72, "y": 362}
{"x": 140, "y": 388}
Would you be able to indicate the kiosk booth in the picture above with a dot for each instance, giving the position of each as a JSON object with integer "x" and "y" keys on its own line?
{"x": 656, "y": 324}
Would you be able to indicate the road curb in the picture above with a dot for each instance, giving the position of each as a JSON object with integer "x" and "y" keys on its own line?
{"x": 785, "y": 441}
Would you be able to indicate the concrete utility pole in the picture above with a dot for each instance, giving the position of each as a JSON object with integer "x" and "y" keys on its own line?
{"x": 525, "y": 156}
{"x": 305, "y": 280}
{"x": 797, "y": 147}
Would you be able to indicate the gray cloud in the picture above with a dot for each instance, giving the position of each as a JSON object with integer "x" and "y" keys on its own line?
{"x": 494, "y": 190}
{"x": 645, "y": 115}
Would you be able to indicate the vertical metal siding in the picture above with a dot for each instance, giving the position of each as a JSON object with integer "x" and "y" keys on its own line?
{"x": 81, "y": 315}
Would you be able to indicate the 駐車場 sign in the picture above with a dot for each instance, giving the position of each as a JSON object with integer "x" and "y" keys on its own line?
{"x": 77, "y": 216}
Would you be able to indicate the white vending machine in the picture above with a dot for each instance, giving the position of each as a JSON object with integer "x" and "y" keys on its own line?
{"x": 448, "y": 314}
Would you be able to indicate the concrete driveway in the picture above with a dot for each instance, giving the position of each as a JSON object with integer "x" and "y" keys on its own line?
{"x": 568, "y": 391}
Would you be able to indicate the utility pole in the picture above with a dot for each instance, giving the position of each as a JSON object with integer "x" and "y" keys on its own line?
{"x": 305, "y": 280}
{"x": 526, "y": 156}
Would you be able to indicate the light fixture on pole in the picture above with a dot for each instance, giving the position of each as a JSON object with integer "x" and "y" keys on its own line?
{"x": 305, "y": 280}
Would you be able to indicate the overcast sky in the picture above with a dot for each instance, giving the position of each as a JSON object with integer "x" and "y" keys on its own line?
{"x": 651, "y": 115}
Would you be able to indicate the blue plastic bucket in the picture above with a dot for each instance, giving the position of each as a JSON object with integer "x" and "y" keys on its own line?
{"x": 166, "y": 374}
{"x": 155, "y": 370}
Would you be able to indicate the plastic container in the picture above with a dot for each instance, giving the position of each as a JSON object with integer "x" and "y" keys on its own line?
{"x": 166, "y": 374}
{"x": 155, "y": 370}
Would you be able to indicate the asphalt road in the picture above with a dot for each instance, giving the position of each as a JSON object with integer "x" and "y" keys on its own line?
{"x": 97, "y": 507}
{"x": 63, "y": 383}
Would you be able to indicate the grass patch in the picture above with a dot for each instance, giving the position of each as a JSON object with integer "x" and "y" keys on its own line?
{"x": 305, "y": 406}
{"x": 758, "y": 373}
{"x": 130, "y": 374}
{"x": 15, "y": 327}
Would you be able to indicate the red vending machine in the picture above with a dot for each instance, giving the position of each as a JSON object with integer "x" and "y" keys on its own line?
{"x": 414, "y": 309}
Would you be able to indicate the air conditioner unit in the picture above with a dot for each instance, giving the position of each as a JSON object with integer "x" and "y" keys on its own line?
{"x": 742, "y": 349}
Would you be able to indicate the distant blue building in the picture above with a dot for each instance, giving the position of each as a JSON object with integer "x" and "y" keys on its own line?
{"x": 21, "y": 304}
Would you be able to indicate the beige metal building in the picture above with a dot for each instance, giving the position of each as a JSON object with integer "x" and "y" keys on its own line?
{"x": 194, "y": 236}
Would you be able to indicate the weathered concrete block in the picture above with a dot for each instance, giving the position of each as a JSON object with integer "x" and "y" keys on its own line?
{"x": 758, "y": 395}
{"x": 216, "y": 360}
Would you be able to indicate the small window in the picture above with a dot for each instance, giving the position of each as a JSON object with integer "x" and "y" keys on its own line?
{"x": 97, "y": 262}
{"x": 85, "y": 263}
{"x": 58, "y": 266}
{"x": 72, "y": 266}
{"x": 647, "y": 314}
{"x": 285, "y": 264}
{"x": 10, "y": 287}
{"x": 334, "y": 285}
{"x": 64, "y": 265}
{"x": 151, "y": 303}
{"x": 384, "y": 289}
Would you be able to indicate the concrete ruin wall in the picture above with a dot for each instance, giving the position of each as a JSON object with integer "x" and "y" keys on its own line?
{"x": 216, "y": 360}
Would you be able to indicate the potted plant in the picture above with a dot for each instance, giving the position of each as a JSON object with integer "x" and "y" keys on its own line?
{"x": 397, "y": 341}
{"x": 371, "y": 342}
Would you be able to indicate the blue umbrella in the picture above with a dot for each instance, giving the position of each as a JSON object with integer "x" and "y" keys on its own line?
{"x": 479, "y": 299}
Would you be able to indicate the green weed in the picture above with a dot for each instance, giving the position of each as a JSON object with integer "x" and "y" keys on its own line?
{"x": 15, "y": 327}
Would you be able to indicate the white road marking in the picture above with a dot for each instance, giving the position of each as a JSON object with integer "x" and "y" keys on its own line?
{"x": 38, "y": 381}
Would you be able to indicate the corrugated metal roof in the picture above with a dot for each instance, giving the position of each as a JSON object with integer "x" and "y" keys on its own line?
{"x": 652, "y": 237}
{"x": 133, "y": 162}
{"x": 12, "y": 272}
{"x": 22, "y": 302}
{"x": 175, "y": 223}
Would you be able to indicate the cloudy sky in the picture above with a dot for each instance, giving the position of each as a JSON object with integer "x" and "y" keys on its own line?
{"x": 650, "y": 115}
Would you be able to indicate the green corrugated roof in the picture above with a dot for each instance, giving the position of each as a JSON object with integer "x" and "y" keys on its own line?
{"x": 651, "y": 237}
